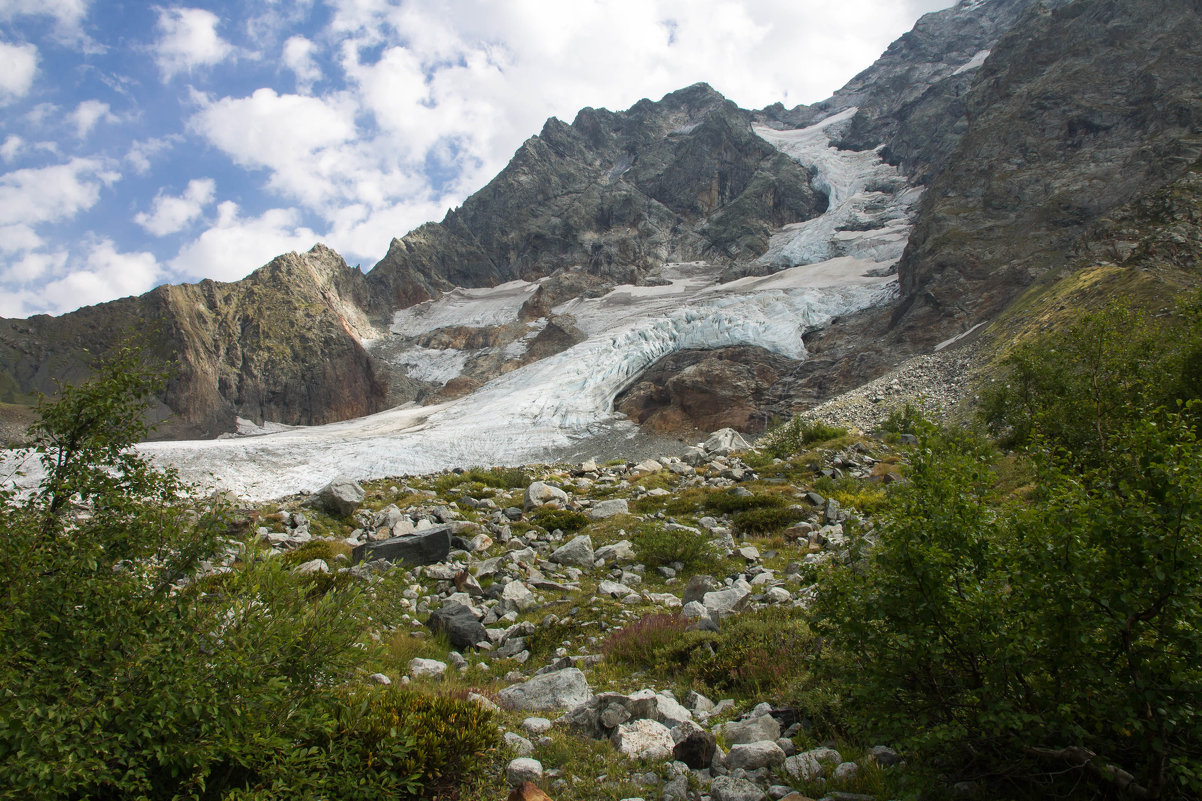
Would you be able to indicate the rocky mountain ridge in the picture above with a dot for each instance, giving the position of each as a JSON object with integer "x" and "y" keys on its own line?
{"x": 1027, "y": 123}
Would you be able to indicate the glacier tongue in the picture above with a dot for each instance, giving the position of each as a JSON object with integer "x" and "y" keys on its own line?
{"x": 823, "y": 268}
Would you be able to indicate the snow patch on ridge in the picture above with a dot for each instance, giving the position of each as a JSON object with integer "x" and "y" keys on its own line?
{"x": 973, "y": 63}
{"x": 475, "y": 308}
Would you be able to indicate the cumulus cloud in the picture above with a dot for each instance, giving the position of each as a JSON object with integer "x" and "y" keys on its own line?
{"x": 142, "y": 151}
{"x": 188, "y": 39}
{"x": 300, "y": 140}
{"x": 236, "y": 245}
{"x": 18, "y": 239}
{"x": 12, "y": 147}
{"x": 51, "y": 194}
{"x": 18, "y": 65}
{"x": 107, "y": 274}
{"x": 88, "y": 113}
{"x": 172, "y": 214}
{"x": 298, "y": 57}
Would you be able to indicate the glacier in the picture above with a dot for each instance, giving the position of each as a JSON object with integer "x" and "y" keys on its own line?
{"x": 838, "y": 263}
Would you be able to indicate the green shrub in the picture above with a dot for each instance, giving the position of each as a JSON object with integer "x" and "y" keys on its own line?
{"x": 642, "y": 643}
{"x": 729, "y": 502}
{"x": 123, "y": 679}
{"x": 658, "y": 546}
{"x": 765, "y": 520}
{"x": 1074, "y": 389}
{"x": 565, "y": 520}
{"x": 989, "y": 637}
{"x": 326, "y": 550}
{"x": 786, "y": 440}
{"x": 495, "y": 477}
{"x": 902, "y": 420}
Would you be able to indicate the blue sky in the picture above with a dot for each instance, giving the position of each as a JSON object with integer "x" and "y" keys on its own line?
{"x": 143, "y": 143}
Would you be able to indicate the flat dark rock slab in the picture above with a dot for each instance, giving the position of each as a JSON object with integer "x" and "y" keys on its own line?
{"x": 424, "y": 547}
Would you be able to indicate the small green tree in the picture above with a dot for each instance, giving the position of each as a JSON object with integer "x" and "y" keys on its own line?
{"x": 1031, "y": 641}
{"x": 121, "y": 676}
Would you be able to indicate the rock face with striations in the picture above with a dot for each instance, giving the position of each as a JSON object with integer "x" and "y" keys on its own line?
{"x": 615, "y": 193}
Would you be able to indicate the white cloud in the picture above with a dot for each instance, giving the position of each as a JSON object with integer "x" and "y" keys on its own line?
{"x": 50, "y": 194}
{"x": 298, "y": 57}
{"x": 12, "y": 146}
{"x": 65, "y": 12}
{"x": 108, "y": 274}
{"x": 88, "y": 113}
{"x": 18, "y": 239}
{"x": 172, "y": 214}
{"x": 188, "y": 39}
{"x": 141, "y": 151}
{"x": 235, "y": 245}
{"x": 33, "y": 267}
{"x": 18, "y": 66}
{"x": 299, "y": 139}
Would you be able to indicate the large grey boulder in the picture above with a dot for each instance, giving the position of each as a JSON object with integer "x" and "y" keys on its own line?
{"x": 728, "y": 788}
{"x": 620, "y": 551}
{"x": 644, "y": 739}
{"x": 752, "y": 730}
{"x": 426, "y": 547}
{"x": 341, "y": 497}
{"x": 523, "y": 769}
{"x": 460, "y": 625}
{"x": 752, "y": 756}
{"x": 539, "y": 493}
{"x": 725, "y": 440}
{"x": 721, "y": 603}
{"x": 576, "y": 551}
{"x": 603, "y": 509}
{"x": 560, "y": 689}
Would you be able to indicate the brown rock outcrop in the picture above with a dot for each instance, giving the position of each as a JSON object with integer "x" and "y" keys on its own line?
{"x": 694, "y": 391}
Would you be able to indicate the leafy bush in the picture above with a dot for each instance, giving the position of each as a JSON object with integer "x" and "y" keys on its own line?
{"x": 1074, "y": 389}
{"x": 902, "y": 420}
{"x": 1033, "y": 642}
{"x": 642, "y": 642}
{"x": 122, "y": 679}
{"x": 788, "y": 439}
{"x": 563, "y": 519}
{"x": 495, "y": 477}
{"x": 326, "y": 550}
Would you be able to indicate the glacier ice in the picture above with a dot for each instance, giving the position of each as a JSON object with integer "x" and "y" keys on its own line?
{"x": 821, "y": 269}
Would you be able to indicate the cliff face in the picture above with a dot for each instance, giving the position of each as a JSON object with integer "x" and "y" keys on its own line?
{"x": 616, "y": 193}
{"x": 1077, "y": 112}
{"x": 283, "y": 345}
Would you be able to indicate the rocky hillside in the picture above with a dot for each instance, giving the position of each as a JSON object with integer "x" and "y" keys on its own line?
{"x": 523, "y": 586}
